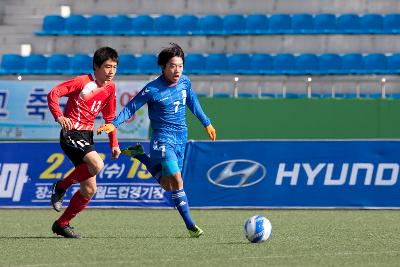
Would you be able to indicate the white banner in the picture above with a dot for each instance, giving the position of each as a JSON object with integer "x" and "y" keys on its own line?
{"x": 24, "y": 113}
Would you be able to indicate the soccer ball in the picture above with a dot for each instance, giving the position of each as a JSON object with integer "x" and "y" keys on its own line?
{"x": 257, "y": 229}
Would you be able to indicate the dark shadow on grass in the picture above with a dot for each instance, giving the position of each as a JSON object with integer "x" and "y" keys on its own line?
{"x": 135, "y": 237}
{"x": 27, "y": 237}
{"x": 95, "y": 237}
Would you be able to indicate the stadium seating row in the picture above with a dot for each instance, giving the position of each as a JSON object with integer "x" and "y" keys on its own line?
{"x": 221, "y": 25}
{"x": 256, "y": 64}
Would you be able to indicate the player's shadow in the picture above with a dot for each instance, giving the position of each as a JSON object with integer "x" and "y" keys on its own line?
{"x": 135, "y": 237}
{"x": 26, "y": 237}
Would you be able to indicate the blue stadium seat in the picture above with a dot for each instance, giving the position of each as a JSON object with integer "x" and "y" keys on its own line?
{"x": 121, "y": 25}
{"x": 239, "y": 64}
{"x": 165, "y": 25}
{"x": 353, "y": 63}
{"x": 81, "y": 64}
{"x": 99, "y": 25}
{"x": 76, "y": 25}
{"x": 346, "y": 95}
{"x": 284, "y": 63}
{"x": 143, "y": 25}
{"x": 393, "y": 64}
{"x": 247, "y": 95}
{"x": 234, "y": 24}
{"x": 307, "y": 64}
{"x": 302, "y": 23}
{"x": 36, "y": 64}
{"x": 195, "y": 64}
{"x": 325, "y": 23}
{"x": 216, "y": 63}
{"x": 330, "y": 64}
{"x": 53, "y": 24}
{"x": 147, "y": 64}
{"x": 261, "y": 64}
{"x": 280, "y": 23}
{"x": 391, "y": 23}
{"x": 187, "y": 25}
{"x": 348, "y": 23}
{"x": 58, "y": 64}
{"x": 211, "y": 24}
{"x": 257, "y": 24}
{"x": 393, "y": 95}
{"x": 127, "y": 64}
{"x": 222, "y": 95}
{"x": 371, "y": 23}
{"x": 375, "y": 63}
{"x": 12, "y": 64}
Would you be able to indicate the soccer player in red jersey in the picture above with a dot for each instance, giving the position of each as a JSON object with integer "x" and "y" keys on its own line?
{"x": 88, "y": 95}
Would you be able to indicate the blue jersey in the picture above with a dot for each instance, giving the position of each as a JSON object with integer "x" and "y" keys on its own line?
{"x": 167, "y": 107}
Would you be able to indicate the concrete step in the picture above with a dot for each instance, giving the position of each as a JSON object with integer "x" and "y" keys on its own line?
{"x": 232, "y": 44}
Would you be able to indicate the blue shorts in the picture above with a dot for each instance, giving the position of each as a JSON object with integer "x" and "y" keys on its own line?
{"x": 170, "y": 156}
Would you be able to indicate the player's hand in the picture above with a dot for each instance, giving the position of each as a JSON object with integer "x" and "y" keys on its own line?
{"x": 108, "y": 128}
{"x": 66, "y": 123}
{"x": 211, "y": 132}
{"x": 115, "y": 152}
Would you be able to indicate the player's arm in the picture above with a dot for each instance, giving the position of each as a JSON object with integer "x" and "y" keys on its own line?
{"x": 108, "y": 115}
{"x": 126, "y": 113}
{"x": 53, "y": 101}
{"x": 195, "y": 107}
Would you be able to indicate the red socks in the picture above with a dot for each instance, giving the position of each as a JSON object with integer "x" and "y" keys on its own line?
{"x": 81, "y": 173}
{"x": 76, "y": 205}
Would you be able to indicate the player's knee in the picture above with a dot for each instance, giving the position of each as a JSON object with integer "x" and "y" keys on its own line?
{"x": 89, "y": 191}
{"x": 165, "y": 184}
{"x": 97, "y": 166}
{"x": 176, "y": 182}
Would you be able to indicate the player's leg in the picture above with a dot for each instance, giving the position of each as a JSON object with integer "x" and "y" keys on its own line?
{"x": 172, "y": 179}
{"x": 78, "y": 202}
{"x": 138, "y": 153}
{"x": 76, "y": 145}
{"x": 81, "y": 198}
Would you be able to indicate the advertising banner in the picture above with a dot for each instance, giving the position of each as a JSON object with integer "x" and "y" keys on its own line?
{"x": 28, "y": 170}
{"x": 293, "y": 174}
{"x": 24, "y": 113}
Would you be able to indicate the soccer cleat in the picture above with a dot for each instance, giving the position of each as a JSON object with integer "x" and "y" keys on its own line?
{"x": 133, "y": 151}
{"x": 57, "y": 197}
{"x": 195, "y": 232}
{"x": 66, "y": 231}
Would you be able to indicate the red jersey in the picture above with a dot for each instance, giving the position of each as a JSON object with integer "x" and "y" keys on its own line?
{"x": 85, "y": 100}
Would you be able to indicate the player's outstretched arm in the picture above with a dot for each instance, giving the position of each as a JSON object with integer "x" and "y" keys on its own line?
{"x": 107, "y": 128}
{"x": 211, "y": 132}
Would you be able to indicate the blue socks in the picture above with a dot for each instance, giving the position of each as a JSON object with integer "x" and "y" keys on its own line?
{"x": 181, "y": 203}
{"x": 154, "y": 170}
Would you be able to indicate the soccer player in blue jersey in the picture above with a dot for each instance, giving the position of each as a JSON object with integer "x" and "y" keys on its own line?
{"x": 167, "y": 98}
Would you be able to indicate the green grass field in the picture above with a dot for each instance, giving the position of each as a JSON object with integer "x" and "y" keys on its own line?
{"x": 158, "y": 238}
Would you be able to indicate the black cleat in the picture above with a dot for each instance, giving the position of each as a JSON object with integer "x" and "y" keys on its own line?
{"x": 57, "y": 197}
{"x": 66, "y": 231}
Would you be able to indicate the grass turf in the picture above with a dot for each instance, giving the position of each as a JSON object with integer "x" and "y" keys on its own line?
{"x": 158, "y": 238}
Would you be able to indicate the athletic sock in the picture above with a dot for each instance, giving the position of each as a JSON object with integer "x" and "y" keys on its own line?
{"x": 76, "y": 205}
{"x": 181, "y": 203}
{"x": 81, "y": 173}
{"x": 155, "y": 170}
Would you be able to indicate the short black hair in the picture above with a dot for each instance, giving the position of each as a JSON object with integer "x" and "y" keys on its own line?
{"x": 103, "y": 54}
{"x": 167, "y": 53}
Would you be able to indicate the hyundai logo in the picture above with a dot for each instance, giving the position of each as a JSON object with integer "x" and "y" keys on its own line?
{"x": 236, "y": 173}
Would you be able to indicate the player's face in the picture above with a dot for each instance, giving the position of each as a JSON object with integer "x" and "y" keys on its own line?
{"x": 106, "y": 72}
{"x": 173, "y": 69}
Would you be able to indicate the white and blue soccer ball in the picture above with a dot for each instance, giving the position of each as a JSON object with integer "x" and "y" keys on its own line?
{"x": 257, "y": 229}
